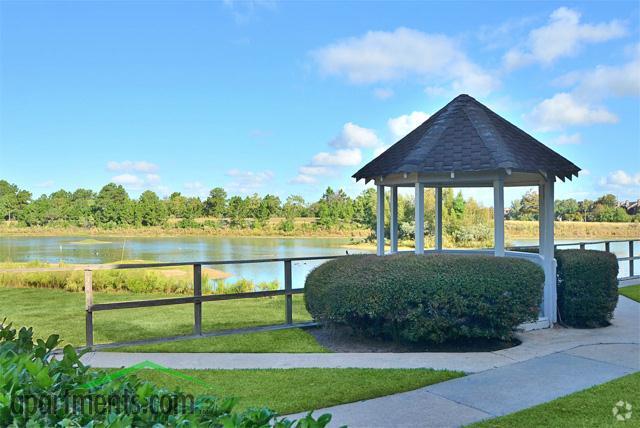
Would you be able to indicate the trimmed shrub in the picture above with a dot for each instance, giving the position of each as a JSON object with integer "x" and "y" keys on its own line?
{"x": 434, "y": 298}
{"x": 37, "y": 391}
{"x": 587, "y": 287}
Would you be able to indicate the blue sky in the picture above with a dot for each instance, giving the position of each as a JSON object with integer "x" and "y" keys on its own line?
{"x": 289, "y": 97}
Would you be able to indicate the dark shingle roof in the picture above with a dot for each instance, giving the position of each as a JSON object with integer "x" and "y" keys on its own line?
{"x": 466, "y": 136}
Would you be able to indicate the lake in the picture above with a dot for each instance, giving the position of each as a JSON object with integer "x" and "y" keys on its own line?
{"x": 55, "y": 249}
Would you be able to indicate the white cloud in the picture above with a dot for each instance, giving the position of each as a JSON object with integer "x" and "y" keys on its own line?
{"x": 314, "y": 170}
{"x": 354, "y": 136}
{"x": 402, "y": 125}
{"x": 138, "y": 166}
{"x": 563, "y": 109}
{"x": 383, "y": 93}
{"x": 45, "y": 184}
{"x": 248, "y": 181}
{"x": 620, "y": 179}
{"x": 304, "y": 179}
{"x": 381, "y": 56}
{"x": 128, "y": 180}
{"x": 195, "y": 188}
{"x": 563, "y": 139}
{"x": 152, "y": 178}
{"x": 342, "y": 157}
{"x": 378, "y": 151}
{"x": 606, "y": 81}
{"x": 562, "y": 36}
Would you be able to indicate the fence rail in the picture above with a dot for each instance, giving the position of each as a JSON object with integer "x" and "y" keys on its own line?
{"x": 198, "y": 298}
{"x": 630, "y": 258}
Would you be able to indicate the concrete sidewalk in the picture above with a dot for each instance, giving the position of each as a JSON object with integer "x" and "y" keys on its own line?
{"x": 493, "y": 392}
{"x": 624, "y": 330}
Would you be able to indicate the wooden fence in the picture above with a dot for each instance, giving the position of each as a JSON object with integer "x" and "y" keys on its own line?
{"x": 198, "y": 298}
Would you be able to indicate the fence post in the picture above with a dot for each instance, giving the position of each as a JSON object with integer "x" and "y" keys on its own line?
{"x": 288, "y": 298}
{"x": 582, "y": 245}
{"x": 197, "y": 305}
{"x": 607, "y": 246}
{"x": 631, "y": 258}
{"x": 88, "y": 303}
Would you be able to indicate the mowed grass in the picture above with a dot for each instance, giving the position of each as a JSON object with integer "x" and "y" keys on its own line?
{"x": 589, "y": 408}
{"x": 632, "y": 292}
{"x": 62, "y": 312}
{"x": 296, "y": 390}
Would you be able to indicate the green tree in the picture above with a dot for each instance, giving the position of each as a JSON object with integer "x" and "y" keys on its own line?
{"x": 216, "y": 204}
{"x": 150, "y": 210}
{"x": 113, "y": 206}
{"x": 12, "y": 200}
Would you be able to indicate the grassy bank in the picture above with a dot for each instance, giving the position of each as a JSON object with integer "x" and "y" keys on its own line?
{"x": 62, "y": 312}
{"x": 589, "y": 408}
{"x": 302, "y": 228}
{"x": 573, "y": 229}
{"x": 305, "y": 388}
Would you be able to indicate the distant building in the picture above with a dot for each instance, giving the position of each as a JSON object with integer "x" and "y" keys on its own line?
{"x": 632, "y": 208}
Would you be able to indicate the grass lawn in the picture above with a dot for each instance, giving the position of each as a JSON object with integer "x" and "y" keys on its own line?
{"x": 61, "y": 312}
{"x": 295, "y": 390}
{"x": 589, "y": 408}
{"x": 632, "y": 292}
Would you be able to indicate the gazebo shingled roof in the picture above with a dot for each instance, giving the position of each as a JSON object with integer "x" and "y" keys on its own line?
{"x": 466, "y": 136}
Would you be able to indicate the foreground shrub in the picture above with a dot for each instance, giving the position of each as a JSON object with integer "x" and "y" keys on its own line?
{"x": 38, "y": 391}
{"x": 432, "y": 298}
{"x": 587, "y": 287}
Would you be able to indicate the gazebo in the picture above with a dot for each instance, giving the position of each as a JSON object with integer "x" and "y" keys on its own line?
{"x": 465, "y": 144}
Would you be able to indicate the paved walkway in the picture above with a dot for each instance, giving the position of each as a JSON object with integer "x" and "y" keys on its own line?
{"x": 548, "y": 364}
{"x": 624, "y": 329}
{"x": 493, "y": 392}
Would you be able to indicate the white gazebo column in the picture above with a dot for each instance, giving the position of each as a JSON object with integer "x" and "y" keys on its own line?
{"x": 380, "y": 220}
{"x": 438, "y": 219}
{"x": 550, "y": 294}
{"x": 541, "y": 218}
{"x": 393, "y": 220}
{"x": 419, "y": 202}
{"x": 498, "y": 217}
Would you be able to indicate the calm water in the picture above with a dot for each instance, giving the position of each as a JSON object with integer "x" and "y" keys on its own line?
{"x": 55, "y": 249}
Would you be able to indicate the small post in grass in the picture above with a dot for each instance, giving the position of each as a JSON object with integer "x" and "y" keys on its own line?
{"x": 582, "y": 246}
{"x": 288, "y": 298}
{"x": 88, "y": 303}
{"x": 197, "y": 304}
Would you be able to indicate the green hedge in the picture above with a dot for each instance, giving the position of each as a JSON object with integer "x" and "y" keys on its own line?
{"x": 587, "y": 287}
{"x": 37, "y": 390}
{"x": 433, "y": 298}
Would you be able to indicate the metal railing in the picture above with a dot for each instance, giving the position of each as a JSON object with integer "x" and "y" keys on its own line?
{"x": 630, "y": 258}
{"x": 196, "y": 300}
{"x": 198, "y": 297}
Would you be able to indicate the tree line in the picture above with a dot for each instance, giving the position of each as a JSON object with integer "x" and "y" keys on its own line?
{"x": 606, "y": 208}
{"x": 112, "y": 207}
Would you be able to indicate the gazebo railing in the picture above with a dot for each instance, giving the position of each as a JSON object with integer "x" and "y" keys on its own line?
{"x": 625, "y": 262}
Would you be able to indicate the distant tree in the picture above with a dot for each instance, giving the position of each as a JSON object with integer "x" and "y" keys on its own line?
{"x": 12, "y": 200}
{"x": 295, "y": 206}
{"x": 237, "y": 211}
{"x": 150, "y": 210}
{"x": 364, "y": 207}
{"x": 82, "y": 202}
{"x": 567, "y": 209}
{"x": 113, "y": 206}
{"x": 215, "y": 205}
{"x": 176, "y": 205}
